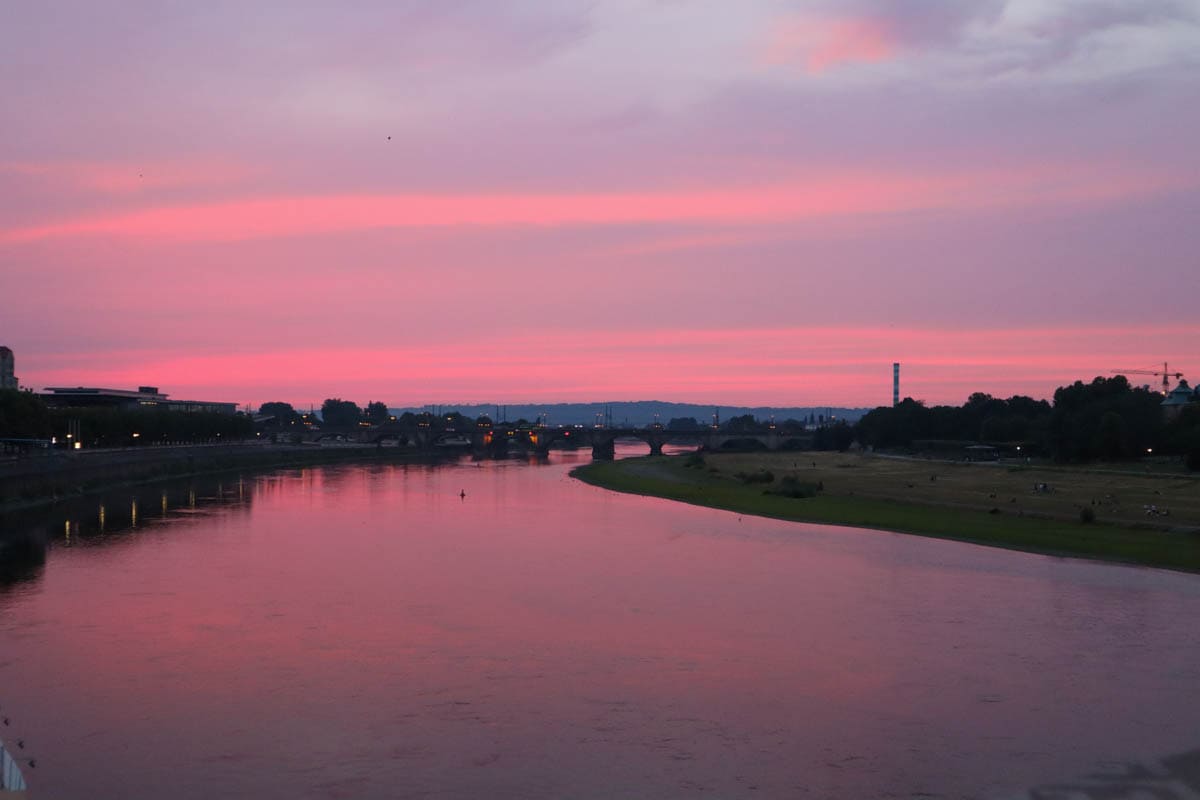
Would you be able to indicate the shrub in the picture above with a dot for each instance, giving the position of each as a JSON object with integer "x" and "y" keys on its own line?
{"x": 761, "y": 476}
{"x": 1087, "y": 515}
{"x": 694, "y": 460}
{"x": 791, "y": 486}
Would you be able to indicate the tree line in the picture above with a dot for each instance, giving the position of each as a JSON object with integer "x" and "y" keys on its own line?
{"x": 339, "y": 414}
{"x": 1106, "y": 419}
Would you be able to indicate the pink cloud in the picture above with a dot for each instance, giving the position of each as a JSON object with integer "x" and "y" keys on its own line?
{"x": 823, "y": 43}
{"x": 816, "y": 196}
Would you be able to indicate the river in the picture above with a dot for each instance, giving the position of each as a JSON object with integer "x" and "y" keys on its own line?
{"x": 500, "y": 630}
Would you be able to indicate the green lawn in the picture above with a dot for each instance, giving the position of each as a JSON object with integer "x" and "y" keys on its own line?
{"x": 950, "y": 510}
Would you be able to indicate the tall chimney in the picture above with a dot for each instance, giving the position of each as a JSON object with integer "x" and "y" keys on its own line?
{"x": 895, "y": 383}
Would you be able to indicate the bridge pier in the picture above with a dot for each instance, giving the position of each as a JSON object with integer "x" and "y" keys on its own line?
{"x": 486, "y": 444}
{"x": 603, "y": 447}
{"x": 540, "y": 440}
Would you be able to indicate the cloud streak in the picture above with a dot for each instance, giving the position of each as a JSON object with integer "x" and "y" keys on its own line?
{"x": 820, "y": 196}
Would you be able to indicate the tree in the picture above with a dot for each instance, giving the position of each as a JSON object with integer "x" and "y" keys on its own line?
{"x": 746, "y": 423}
{"x": 1182, "y": 436}
{"x": 283, "y": 413}
{"x": 23, "y": 414}
{"x": 1110, "y": 437}
{"x": 377, "y": 413}
{"x": 683, "y": 424}
{"x": 1080, "y": 427}
{"x": 838, "y": 436}
{"x": 339, "y": 413}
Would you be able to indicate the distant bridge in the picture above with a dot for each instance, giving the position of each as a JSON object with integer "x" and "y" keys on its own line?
{"x": 602, "y": 440}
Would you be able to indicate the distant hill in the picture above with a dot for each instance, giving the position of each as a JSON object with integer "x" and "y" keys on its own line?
{"x": 638, "y": 413}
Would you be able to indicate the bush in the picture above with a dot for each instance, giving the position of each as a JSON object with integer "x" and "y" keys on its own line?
{"x": 1086, "y": 515}
{"x": 791, "y": 486}
{"x": 761, "y": 476}
{"x": 695, "y": 461}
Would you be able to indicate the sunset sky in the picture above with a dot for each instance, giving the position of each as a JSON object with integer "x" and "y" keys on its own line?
{"x": 758, "y": 202}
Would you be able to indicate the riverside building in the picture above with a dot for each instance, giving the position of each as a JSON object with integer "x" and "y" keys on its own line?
{"x": 8, "y": 363}
{"x": 144, "y": 397}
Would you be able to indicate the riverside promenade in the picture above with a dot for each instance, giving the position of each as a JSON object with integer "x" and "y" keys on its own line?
{"x": 43, "y": 477}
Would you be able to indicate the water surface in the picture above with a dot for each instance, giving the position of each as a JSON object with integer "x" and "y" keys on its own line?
{"x": 367, "y": 632}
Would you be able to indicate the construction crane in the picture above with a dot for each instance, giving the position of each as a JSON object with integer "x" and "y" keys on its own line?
{"x": 1165, "y": 372}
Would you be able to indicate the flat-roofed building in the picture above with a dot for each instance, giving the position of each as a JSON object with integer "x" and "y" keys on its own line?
{"x": 144, "y": 397}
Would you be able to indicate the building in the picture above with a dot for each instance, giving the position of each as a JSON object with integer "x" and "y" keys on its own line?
{"x": 144, "y": 397}
{"x": 1179, "y": 397}
{"x": 8, "y": 363}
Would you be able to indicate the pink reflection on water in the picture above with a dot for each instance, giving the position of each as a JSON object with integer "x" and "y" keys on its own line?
{"x": 366, "y": 632}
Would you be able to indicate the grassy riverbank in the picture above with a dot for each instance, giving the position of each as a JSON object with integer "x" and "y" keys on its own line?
{"x": 1015, "y": 506}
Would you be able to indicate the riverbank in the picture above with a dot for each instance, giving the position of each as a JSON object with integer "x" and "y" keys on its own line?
{"x": 47, "y": 479}
{"x": 1146, "y": 519}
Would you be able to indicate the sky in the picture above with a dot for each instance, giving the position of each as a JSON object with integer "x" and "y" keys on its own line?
{"x": 762, "y": 202}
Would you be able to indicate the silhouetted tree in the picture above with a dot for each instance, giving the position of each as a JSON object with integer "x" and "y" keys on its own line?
{"x": 838, "y": 436}
{"x": 283, "y": 413}
{"x": 23, "y": 414}
{"x": 1182, "y": 436}
{"x": 1110, "y": 440}
{"x": 339, "y": 413}
{"x": 746, "y": 423}
{"x": 1084, "y": 424}
{"x": 377, "y": 413}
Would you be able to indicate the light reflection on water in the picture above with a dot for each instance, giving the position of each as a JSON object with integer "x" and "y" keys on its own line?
{"x": 367, "y": 632}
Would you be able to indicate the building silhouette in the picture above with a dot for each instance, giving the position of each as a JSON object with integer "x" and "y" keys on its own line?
{"x": 8, "y": 363}
{"x": 146, "y": 398}
{"x": 1178, "y": 399}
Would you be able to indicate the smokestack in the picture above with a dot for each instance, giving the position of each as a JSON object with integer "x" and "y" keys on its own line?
{"x": 895, "y": 383}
